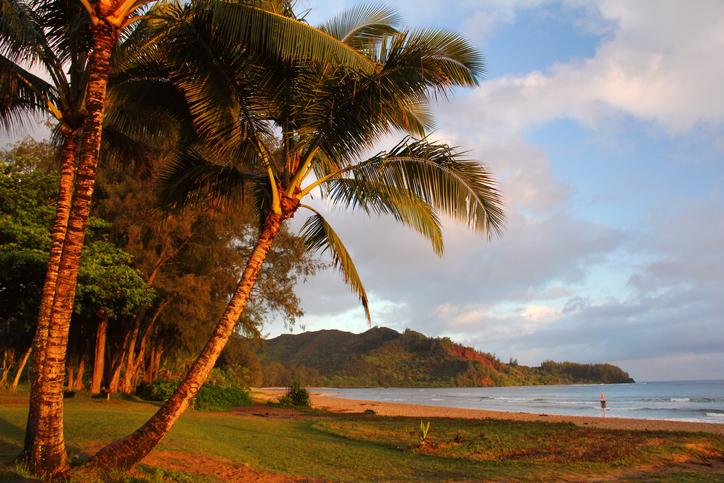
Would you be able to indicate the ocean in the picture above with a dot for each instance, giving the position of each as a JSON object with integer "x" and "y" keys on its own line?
{"x": 697, "y": 401}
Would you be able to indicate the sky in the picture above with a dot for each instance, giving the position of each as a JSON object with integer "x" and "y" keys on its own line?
{"x": 604, "y": 125}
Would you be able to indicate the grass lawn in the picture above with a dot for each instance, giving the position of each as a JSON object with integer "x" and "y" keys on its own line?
{"x": 262, "y": 443}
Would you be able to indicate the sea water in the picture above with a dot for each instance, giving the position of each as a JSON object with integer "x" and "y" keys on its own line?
{"x": 701, "y": 401}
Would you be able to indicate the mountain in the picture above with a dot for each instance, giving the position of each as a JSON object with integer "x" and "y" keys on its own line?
{"x": 385, "y": 357}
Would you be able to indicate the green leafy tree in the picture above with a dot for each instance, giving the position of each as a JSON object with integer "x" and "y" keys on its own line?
{"x": 327, "y": 116}
{"x": 111, "y": 289}
{"x": 107, "y": 281}
{"x": 26, "y": 197}
{"x": 192, "y": 260}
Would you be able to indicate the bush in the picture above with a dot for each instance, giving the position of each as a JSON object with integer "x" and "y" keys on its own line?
{"x": 209, "y": 398}
{"x": 295, "y": 396}
{"x": 157, "y": 391}
{"x": 214, "y": 398}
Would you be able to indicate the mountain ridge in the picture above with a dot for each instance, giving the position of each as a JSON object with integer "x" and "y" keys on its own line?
{"x": 382, "y": 356}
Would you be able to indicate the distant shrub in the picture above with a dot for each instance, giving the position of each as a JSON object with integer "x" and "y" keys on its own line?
{"x": 295, "y": 396}
{"x": 209, "y": 398}
{"x": 157, "y": 391}
{"x": 371, "y": 412}
{"x": 229, "y": 377}
{"x": 214, "y": 398}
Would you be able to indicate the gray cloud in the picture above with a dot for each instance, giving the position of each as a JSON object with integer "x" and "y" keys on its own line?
{"x": 674, "y": 312}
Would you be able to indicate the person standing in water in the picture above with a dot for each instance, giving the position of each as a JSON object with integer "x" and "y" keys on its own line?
{"x": 603, "y": 403}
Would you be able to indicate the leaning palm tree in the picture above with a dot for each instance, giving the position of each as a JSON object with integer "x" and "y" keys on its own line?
{"x": 276, "y": 133}
{"x": 258, "y": 25}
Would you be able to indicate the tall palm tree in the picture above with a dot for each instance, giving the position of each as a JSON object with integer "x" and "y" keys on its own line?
{"x": 282, "y": 131}
{"x": 53, "y": 38}
{"x": 258, "y": 25}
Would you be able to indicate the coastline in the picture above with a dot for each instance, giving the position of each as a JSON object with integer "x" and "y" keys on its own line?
{"x": 342, "y": 405}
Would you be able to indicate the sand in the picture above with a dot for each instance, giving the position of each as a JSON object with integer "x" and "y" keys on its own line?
{"x": 339, "y": 405}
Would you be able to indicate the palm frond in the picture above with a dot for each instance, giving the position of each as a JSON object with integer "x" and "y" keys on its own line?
{"x": 125, "y": 151}
{"x": 22, "y": 95}
{"x": 147, "y": 107}
{"x": 139, "y": 46}
{"x": 20, "y": 31}
{"x": 66, "y": 27}
{"x": 447, "y": 58}
{"x": 414, "y": 118}
{"x": 319, "y": 236}
{"x": 363, "y": 27}
{"x": 269, "y": 32}
{"x": 350, "y": 110}
{"x": 403, "y": 205}
{"x": 217, "y": 77}
{"x": 189, "y": 178}
{"x": 440, "y": 175}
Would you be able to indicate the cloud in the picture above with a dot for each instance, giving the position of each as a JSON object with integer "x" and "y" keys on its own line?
{"x": 673, "y": 315}
{"x": 475, "y": 19}
{"x": 657, "y": 66}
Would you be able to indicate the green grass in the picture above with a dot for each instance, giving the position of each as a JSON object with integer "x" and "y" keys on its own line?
{"x": 359, "y": 447}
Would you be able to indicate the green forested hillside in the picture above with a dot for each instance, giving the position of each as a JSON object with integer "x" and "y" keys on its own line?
{"x": 384, "y": 357}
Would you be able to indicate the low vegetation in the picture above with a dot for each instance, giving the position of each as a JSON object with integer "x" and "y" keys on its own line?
{"x": 295, "y": 396}
{"x": 209, "y": 398}
{"x": 208, "y": 446}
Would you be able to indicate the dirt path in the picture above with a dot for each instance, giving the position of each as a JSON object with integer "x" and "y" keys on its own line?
{"x": 213, "y": 467}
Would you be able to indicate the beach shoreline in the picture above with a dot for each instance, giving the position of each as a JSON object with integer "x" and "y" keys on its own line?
{"x": 329, "y": 402}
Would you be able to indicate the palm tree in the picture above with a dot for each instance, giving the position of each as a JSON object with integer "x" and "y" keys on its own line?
{"x": 261, "y": 26}
{"x": 55, "y": 36}
{"x": 52, "y": 37}
{"x": 327, "y": 116}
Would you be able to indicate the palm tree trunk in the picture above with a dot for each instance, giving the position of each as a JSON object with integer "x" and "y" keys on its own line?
{"x": 21, "y": 366}
{"x": 48, "y": 456}
{"x": 126, "y": 452}
{"x": 78, "y": 386}
{"x": 60, "y": 226}
{"x": 99, "y": 358}
{"x": 69, "y": 373}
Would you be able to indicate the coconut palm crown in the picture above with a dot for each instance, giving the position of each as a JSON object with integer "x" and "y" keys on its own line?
{"x": 284, "y": 132}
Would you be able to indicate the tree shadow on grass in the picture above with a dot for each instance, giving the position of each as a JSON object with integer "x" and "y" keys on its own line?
{"x": 11, "y": 438}
{"x": 10, "y": 444}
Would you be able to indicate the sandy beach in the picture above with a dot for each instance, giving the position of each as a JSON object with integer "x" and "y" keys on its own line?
{"x": 341, "y": 405}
